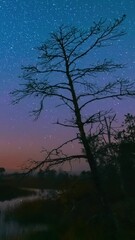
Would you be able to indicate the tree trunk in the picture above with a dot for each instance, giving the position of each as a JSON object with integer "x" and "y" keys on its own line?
{"x": 110, "y": 220}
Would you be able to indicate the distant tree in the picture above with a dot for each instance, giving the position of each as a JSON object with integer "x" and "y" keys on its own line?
{"x": 40, "y": 173}
{"x": 62, "y": 58}
{"x": 50, "y": 173}
{"x": 2, "y": 170}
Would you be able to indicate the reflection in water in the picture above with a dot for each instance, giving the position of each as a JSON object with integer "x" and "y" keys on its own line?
{"x": 12, "y": 228}
{"x": 8, "y": 229}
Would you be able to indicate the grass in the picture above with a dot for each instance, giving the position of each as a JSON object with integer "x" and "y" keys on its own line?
{"x": 84, "y": 222}
{"x": 37, "y": 211}
{"x": 39, "y": 235}
{"x": 76, "y": 215}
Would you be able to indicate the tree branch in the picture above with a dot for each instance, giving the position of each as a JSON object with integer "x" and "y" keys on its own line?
{"x": 105, "y": 34}
{"x": 125, "y": 88}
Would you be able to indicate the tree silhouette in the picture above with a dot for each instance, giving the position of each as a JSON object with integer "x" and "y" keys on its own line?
{"x": 126, "y": 154}
{"x": 2, "y": 171}
{"x": 114, "y": 147}
{"x": 63, "y": 57}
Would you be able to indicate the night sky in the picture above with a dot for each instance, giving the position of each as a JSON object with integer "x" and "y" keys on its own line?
{"x": 26, "y": 24}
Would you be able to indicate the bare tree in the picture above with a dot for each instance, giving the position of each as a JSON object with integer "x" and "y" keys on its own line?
{"x": 64, "y": 55}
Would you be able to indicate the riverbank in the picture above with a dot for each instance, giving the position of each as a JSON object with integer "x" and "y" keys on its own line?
{"x": 75, "y": 213}
{"x": 64, "y": 220}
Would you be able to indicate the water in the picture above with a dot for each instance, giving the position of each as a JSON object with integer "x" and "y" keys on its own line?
{"x": 12, "y": 228}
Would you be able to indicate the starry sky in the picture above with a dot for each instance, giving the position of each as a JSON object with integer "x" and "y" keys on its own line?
{"x": 26, "y": 24}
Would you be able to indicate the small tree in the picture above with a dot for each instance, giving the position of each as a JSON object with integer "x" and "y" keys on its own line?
{"x": 63, "y": 55}
{"x": 126, "y": 153}
{"x": 127, "y": 134}
{"x": 114, "y": 147}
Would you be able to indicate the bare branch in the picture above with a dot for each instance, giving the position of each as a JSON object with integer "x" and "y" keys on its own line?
{"x": 118, "y": 89}
{"x": 66, "y": 125}
{"x": 106, "y": 66}
{"x": 105, "y": 34}
{"x": 53, "y": 162}
{"x": 96, "y": 117}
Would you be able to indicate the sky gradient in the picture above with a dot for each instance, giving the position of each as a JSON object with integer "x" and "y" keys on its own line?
{"x": 26, "y": 24}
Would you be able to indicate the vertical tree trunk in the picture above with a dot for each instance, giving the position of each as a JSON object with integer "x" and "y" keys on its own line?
{"x": 110, "y": 220}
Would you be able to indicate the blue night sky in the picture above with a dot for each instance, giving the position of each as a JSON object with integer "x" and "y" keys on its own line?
{"x": 26, "y": 24}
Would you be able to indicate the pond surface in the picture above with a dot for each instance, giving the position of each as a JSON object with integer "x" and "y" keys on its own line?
{"x": 12, "y": 228}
